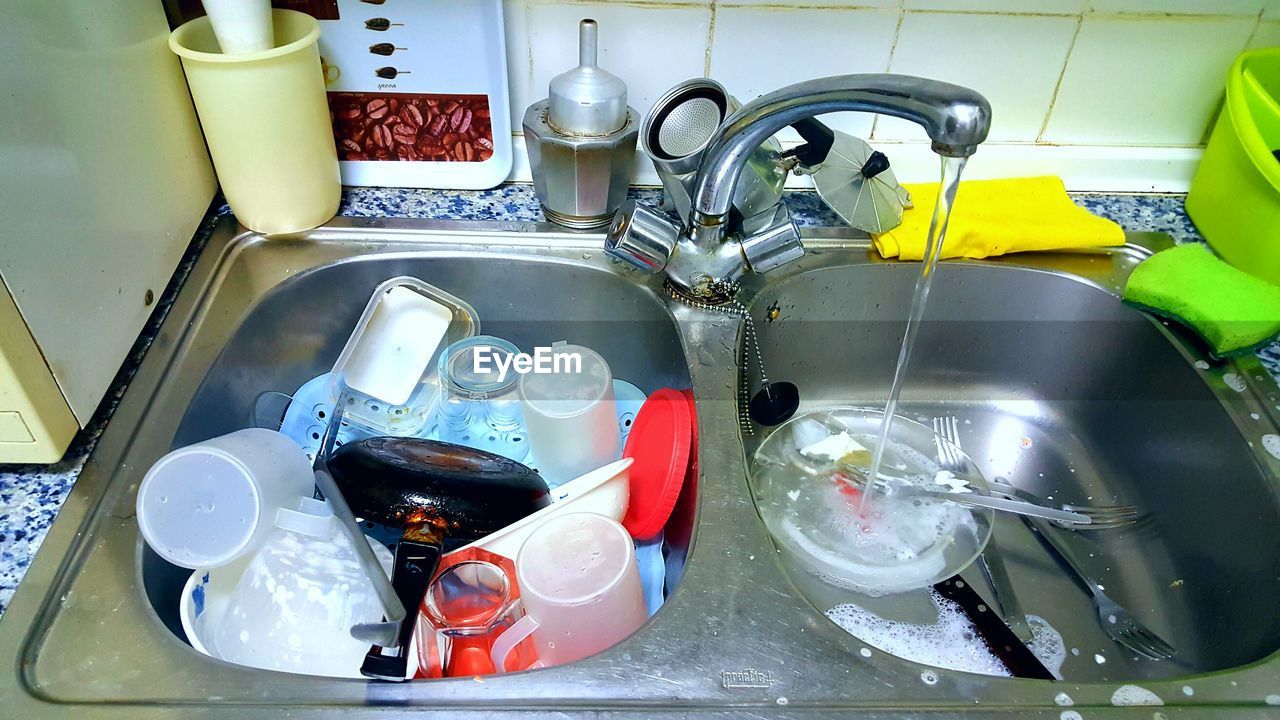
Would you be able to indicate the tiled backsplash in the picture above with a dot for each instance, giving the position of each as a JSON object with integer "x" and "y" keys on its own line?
{"x": 1111, "y": 94}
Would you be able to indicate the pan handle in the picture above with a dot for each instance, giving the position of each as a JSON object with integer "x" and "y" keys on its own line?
{"x": 415, "y": 564}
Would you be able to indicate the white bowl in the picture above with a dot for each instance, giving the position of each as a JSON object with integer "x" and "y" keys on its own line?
{"x": 603, "y": 491}
{"x": 208, "y": 593}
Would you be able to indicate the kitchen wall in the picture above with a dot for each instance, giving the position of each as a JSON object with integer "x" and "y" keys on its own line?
{"x": 1110, "y": 94}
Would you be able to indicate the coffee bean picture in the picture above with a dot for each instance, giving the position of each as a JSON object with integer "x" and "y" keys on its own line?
{"x": 411, "y": 127}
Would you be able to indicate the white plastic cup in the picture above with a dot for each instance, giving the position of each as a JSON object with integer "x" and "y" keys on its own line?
{"x": 580, "y": 588}
{"x": 298, "y": 598}
{"x": 205, "y": 505}
{"x": 571, "y": 416}
{"x": 241, "y": 26}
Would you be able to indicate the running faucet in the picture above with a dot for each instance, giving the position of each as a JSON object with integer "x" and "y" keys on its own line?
{"x": 709, "y": 256}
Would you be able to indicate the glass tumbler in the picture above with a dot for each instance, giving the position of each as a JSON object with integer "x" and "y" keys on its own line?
{"x": 470, "y": 605}
{"x": 479, "y": 407}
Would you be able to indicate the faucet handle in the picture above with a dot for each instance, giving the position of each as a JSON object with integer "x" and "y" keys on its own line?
{"x": 641, "y": 237}
{"x": 771, "y": 239}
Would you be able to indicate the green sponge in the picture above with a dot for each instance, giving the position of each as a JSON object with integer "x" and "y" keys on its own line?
{"x": 1232, "y": 310}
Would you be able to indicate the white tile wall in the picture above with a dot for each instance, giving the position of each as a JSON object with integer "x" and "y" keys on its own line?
{"x": 750, "y": 63}
{"x": 813, "y": 3}
{"x": 1149, "y": 81}
{"x": 1015, "y": 60}
{"x": 1050, "y": 7}
{"x": 1267, "y": 35}
{"x": 1073, "y": 83}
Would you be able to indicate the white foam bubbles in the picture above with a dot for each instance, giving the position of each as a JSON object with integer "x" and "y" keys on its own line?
{"x": 1047, "y": 645}
{"x": 1271, "y": 443}
{"x": 952, "y": 643}
{"x": 1129, "y": 695}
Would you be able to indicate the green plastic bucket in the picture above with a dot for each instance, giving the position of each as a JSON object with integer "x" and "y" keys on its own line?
{"x": 1235, "y": 196}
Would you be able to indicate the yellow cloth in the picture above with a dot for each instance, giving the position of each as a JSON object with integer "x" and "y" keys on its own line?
{"x": 994, "y": 217}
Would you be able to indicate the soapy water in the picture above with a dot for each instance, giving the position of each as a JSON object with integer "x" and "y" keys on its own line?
{"x": 809, "y": 490}
{"x": 951, "y": 643}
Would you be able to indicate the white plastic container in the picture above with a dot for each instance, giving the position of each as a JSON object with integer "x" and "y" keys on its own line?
{"x": 207, "y": 504}
{"x": 241, "y": 26}
{"x": 295, "y": 604}
{"x": 580, "y": 587}
{"x": 570, "y": 415}
{"x": 386, "y": 371}
{"x": 208, "y": 592}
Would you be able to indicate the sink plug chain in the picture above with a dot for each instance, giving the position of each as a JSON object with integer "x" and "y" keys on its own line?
{"x": 735, "y": 309}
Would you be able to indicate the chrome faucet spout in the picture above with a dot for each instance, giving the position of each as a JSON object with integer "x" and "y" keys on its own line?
{"x": 955, "y": 118}
{"x": 706, "y": 257}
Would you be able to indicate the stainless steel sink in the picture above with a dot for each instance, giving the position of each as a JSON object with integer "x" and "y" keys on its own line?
{"x": 1033, "y": 348}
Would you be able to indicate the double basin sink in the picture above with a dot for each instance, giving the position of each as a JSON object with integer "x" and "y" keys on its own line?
{"x": 1057, "y": 387}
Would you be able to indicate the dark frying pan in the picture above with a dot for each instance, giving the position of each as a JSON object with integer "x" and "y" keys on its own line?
{"x": 432, "y": 491}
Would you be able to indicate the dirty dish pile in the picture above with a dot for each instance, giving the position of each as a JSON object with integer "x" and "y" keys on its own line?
{"x": 500, "y": 567}
{"x": 808, "y": 477}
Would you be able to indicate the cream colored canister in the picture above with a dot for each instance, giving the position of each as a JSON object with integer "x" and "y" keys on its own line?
{"x": 266, "y": 121}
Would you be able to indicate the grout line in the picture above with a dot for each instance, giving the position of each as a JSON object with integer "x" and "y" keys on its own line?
{"x": 528, "y": 41}
{"x": 1057, "y": 87}
{"x": 1256, "y": 27}
{"x": 1122, "y": 15}
{"x": 711, "y": 39}
{"x": 888, "y": 65}
{"x": 993, "y": 13}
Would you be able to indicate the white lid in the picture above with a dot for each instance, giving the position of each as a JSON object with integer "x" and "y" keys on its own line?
{"x": 198, "y": 507}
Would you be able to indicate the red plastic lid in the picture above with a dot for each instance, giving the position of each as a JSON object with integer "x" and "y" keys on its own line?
{"x": 660, "y": 444}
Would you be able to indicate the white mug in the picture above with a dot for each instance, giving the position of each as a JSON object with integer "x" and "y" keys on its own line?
{"x": 580, "y": 588}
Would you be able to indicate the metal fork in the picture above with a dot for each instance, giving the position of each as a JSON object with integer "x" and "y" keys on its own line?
{"x": 1115, "y": 620}
{"x": 1102, "y": 517}
{"x": 991, "y": 561}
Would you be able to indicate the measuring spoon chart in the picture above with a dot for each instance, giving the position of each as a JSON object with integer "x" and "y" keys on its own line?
{"x": 384, "y": 48}
{"x": 380, "y": 24}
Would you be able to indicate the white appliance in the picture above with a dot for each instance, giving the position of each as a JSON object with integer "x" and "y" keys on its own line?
{"x": 104, "y": 178}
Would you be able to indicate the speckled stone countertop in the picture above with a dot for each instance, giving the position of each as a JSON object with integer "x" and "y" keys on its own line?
{"x": 30, "y": 495}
